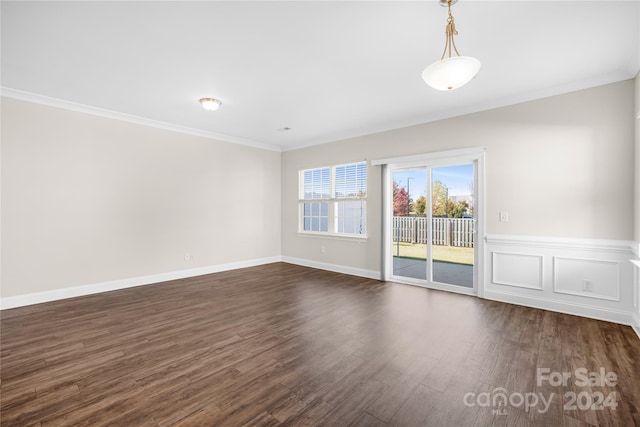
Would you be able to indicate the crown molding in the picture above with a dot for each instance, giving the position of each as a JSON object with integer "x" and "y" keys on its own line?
{"x": 491, "y": 104}
{"x": 101, "y": 112}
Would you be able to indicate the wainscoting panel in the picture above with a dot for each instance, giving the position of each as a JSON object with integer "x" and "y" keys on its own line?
{"x": 518, "y": 270}
{"x": 585, "y": 277}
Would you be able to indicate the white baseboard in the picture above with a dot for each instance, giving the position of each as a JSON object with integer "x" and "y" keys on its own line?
{"x": 570, "y": 307}
{"x": 94, "y": 288}
{"x": 636, "y": 323}
{"x": 576, "y": 309}
{"x": 369, "y": 274}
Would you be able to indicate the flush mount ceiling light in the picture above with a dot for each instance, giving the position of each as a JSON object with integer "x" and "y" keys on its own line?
{"x": 451, "y": 72}
{"x": 210, "y": 104}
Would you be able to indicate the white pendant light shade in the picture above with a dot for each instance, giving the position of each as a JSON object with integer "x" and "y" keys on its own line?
{"x": 451, "y": 73}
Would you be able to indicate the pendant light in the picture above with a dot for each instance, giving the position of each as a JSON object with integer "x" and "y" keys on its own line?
{"x": 451, "y": 72}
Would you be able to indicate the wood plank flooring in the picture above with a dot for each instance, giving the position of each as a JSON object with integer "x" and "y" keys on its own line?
{"x": 288, "y": 345}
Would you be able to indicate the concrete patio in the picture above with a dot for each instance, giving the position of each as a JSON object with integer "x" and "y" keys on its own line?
{"x": 443, "y": 272}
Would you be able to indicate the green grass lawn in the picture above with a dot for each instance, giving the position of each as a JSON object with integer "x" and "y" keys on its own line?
{"x": 440, "y": 253}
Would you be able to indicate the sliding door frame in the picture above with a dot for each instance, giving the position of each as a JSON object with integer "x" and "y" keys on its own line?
{"x": 428, "y": 161}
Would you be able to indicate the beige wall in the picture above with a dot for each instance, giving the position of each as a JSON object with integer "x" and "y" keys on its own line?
{"x": 637, "y": 150}
{"x": 561, "y": 166}
{"x": 87, "y": 199}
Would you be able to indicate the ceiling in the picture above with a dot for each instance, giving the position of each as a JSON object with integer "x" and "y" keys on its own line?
{"x": 328, "y": 70}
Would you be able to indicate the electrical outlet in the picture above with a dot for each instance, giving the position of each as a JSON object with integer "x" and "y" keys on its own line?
{"x": 504, "y": 216}
{"x": 587, "y": 285}
{"x": 187, "y": 256}
{"x": 323, "y": 249}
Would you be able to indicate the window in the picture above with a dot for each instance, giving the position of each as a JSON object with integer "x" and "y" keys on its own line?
{"x": 316, "y": 216}
{"x": 333, "y": 200}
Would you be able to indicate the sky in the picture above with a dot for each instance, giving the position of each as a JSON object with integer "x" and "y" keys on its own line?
{"x": 459, "y": 180}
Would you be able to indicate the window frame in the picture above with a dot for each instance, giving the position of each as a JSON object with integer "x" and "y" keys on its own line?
{"x": 332, "y": 203}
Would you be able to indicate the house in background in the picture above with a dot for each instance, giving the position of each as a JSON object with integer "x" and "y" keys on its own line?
{"x": 114, "y": 176}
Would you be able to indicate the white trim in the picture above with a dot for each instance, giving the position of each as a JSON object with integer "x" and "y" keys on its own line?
{"x": 480, "y": 208}
{"x": 360, "y": 272}
{"x": 600, "y": 245}
{"x": 573, "y": 308}
{"x": 437, "y": 286}
{"x": 577, "y": 309}
{"x": 78, "y": 291}
{"x": 636, "y": 296}
{"x": 474, "y": 155}
{"x": 101, "y": 112}
{"x": 334, "y": 236}
{"x": 387, "y": 221}
{"x": 436, "y": 155}
{"x": 494, "y": 270}
{"x": 602, "y": 253}
{"x": 441, "y": 114}
{"x": 635, "y": 319}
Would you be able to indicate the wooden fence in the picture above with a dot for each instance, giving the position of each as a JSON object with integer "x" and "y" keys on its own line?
{"x": 446, "y": 231}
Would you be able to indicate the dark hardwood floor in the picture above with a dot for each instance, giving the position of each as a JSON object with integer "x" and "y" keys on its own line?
{"x": 283, "y": 344}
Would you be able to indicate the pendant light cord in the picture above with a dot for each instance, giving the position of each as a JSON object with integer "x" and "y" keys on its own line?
{"x": 451, "y": 32}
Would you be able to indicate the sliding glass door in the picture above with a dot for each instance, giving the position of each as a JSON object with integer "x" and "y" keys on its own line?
{"x": 409, "y": 223}
{"x": 452, "y": 224}
{"x": 431, "y": 223}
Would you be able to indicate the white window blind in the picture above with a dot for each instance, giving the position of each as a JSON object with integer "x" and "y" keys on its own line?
{"x": 333, "y": 199}
{"x": 317, "y": 183}
{"x": 351, "y": 181}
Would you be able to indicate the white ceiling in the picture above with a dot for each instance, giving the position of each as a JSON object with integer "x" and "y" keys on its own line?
{"x": 329, "y": 70}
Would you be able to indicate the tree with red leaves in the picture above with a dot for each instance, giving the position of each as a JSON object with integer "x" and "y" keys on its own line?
{"x": 401, "y": 202}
